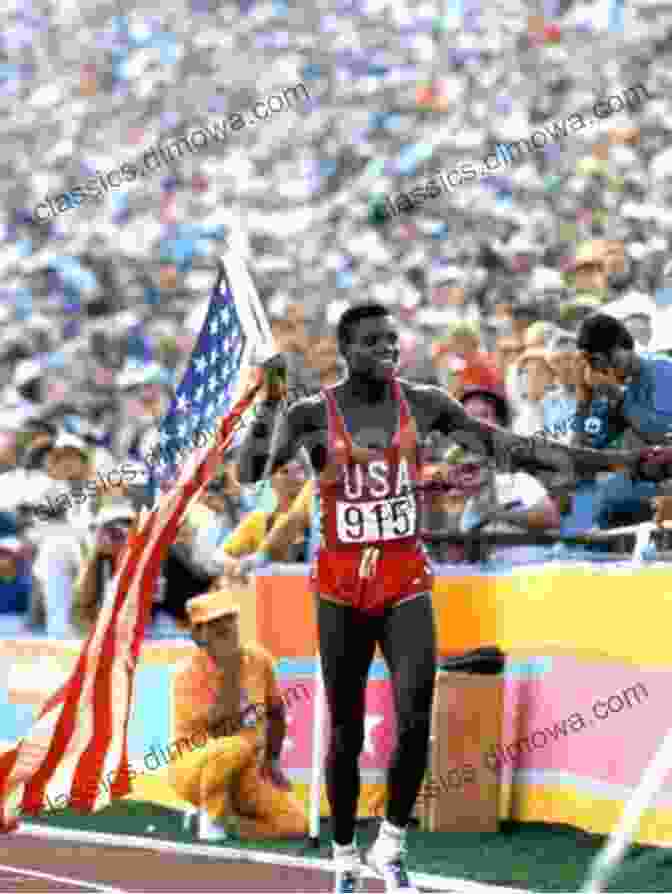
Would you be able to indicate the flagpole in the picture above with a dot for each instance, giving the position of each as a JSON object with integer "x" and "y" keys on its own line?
{"x": 317, "y": 759}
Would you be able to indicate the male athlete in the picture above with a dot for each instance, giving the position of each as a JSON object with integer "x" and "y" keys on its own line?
{"x": 371, "y": 576}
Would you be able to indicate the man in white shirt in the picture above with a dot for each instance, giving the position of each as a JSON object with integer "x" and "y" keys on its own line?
{"x": 514, "y": 502}
{"x": 511, "y": 501}
{"x": 63, "y": 537}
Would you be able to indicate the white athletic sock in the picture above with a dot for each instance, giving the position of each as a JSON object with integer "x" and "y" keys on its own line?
{"x": 390, "y": 842}
{"x": 346, "y": 855}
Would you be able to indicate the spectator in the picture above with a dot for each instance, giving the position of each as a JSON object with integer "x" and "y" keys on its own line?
{"x": 23, "y": 450}
{"x": 175, "y": 585}
{"x": 227, "y": 694}
{"x": 510, "y": 501}
{"x": 590, "y": 270}
{"x": 444, "y": 500}
{"x": 21, "y": 597}
{"x": 217, "y": 514}
{"x": 645, "y": 379}
{"x": 460, "y": 363}
{"x": 448, "y": 293}
{"x": 288, "y": 327}
{"x": 325, "y": 362}
{"x": 98, "y": 568}
{"x": 62, "y": 540}
{"x": 622, "y": 398}
{"x": 292, "y": 529}
{"x": 559, "y": 405}
{"x": 533, "y": 377}
{"x": 145, "y": 397}
{"x": 250, "y": 533}
{"x": 441, "y": 505}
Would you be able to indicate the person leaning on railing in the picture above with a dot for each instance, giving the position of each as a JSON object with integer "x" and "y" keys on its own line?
{"x": 289, "y": 528}
{"x": 637, "y": 410}
{"x": 224, "y": 563}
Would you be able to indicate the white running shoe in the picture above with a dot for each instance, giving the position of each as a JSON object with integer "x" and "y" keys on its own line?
{"x": 210, "y": 830}
{"x": 392, "y": 869}
{"x": 348, "y": 873}
{"x": 190, "y": 821}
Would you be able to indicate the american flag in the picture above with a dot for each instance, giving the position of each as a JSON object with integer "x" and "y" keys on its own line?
{"x": 234, "y": 327}
{"x": 79, "y": 740}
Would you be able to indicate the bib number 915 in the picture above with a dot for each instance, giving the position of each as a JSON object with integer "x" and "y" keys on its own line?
{"x": 376, "y": 520}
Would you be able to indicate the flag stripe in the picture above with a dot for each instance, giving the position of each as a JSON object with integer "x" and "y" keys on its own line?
{"x": 108, "y": 747}
{"x": 78, "y": 688}
{"x": 91, "y": 764}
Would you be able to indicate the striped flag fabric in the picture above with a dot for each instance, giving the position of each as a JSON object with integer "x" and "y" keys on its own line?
{"x": 79, "y": 739}
{"x": 234, "y": 329}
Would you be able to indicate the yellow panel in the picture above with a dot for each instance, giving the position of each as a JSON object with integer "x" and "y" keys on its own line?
{"x": 588, "y": 611}
{"x": 564, "y": 804}
{"x": 465, "y": 609}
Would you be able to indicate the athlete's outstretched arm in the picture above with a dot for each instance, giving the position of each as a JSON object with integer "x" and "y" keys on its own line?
{"x": 449, "y": 417}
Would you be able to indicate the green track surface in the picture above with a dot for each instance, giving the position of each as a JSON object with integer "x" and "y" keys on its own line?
{"x": 535, "y": 856}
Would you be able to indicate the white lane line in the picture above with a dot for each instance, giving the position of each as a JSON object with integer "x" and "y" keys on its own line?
{"x": 61, "y": 879}
{"x": 427, "y": 881}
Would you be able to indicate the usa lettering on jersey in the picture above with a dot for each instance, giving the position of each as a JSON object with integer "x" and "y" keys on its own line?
{"x": 378, "y": 503}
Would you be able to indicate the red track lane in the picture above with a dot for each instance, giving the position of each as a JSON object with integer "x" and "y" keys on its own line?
{"x": 134, "y": 870}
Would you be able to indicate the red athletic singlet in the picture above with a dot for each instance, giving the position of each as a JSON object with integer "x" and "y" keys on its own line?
{"x": 370, "y": 498}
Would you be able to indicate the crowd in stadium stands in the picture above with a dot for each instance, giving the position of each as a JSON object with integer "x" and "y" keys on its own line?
{"x": 492, "y": 283}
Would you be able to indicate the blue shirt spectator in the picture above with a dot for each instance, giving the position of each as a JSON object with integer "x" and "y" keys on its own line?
{"x": 21, "y": 602}
{"x": 608, "y": 349}
{"x": 647, "y": 403}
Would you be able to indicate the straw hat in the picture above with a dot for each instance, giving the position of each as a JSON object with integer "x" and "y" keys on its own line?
{"x": 210, "y": 606}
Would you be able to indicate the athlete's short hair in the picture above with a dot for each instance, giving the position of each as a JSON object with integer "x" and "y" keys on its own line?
{"x": 353, "y": 315}
{"x": 601, "y": 333}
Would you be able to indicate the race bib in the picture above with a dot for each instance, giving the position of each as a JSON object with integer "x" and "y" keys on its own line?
{"x": 390, "y": 519}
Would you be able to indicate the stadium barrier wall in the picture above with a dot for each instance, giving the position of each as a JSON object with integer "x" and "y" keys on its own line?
{"x": 575, "y": 634}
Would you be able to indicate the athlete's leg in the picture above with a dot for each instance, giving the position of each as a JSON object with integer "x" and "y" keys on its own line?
{"x": 347, "y": 643}
{"x": 408, "y": 644}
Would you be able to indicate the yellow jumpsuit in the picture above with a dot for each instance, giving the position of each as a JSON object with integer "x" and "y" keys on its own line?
{"x": 223, "y": 776}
